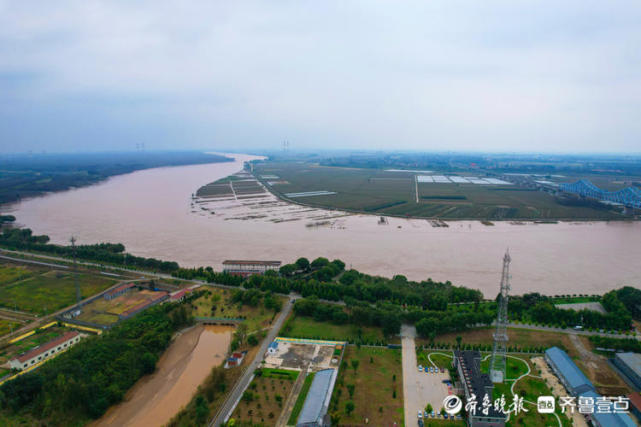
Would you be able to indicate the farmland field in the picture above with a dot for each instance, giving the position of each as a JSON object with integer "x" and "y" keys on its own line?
{"x": 105, "y": 312}
{"x": 7, "y": 325}
{"x": 378, "y": 191}
{"x": 377, "y": 387}
{"x": 44, "y": 291}
{"x": 263, "y": 400}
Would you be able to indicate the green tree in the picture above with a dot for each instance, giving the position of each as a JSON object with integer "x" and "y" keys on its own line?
{"x": 241, "y": 332}
{"x": 458, "y": 341}
{"x": 355, "y": 364}
{"x": 202, "y": 410}
{"x": 350, "y": 390}
{"x": 349, "y": 407}
{"x": 303, "y": 264}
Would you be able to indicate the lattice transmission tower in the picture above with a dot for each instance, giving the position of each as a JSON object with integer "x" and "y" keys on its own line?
{"x": 497, "y": 364}
{"x": 75, "y": 270}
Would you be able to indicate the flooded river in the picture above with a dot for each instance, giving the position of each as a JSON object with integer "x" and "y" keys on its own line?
{"x": 154, "y": 400}
{"x": 153, "y": 214}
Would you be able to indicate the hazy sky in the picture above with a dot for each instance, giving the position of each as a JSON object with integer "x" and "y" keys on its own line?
{"x": 425, "y": 75}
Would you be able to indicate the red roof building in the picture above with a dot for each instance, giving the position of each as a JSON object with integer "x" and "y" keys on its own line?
{"x": 179, "y": 295}
{"x": 120, "y": 290}
{"x": 45, "y": 351}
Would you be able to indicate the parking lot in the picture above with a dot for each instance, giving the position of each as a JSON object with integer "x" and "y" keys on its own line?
{"x": 419, "y": 388}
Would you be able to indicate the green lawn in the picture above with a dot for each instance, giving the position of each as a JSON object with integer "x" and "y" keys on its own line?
{"x": 298, "y": 406}
{"x": 440, "y": 360}
{"x": 528, "y": 387}
{"x": 279, "y": 373}
{"x": 51, "y": 291}
{"x": 514, "y": 368}
{"x": 306, "y": 327}
{"x": 531, "y": 388}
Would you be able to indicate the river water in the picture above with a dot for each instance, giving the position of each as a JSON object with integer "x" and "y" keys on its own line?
{"x": 155, "y": 399}
{"x": 153, "y": 214}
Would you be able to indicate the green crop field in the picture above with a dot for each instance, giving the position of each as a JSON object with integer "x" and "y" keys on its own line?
{"x": 49, "y": 291}
{"x": 377, "y": 191}
{"x": 7, "y": 326}
{"x": 11, "y": 273}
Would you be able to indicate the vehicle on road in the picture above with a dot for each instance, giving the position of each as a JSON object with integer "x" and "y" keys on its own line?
{"x": 420, "y": 368}
{"x": 420, "y": 414}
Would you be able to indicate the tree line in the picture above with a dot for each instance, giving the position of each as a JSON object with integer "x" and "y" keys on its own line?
{"x": 330, "y": 281}
{"x": 537, "y": 308}
{"x": 111, "y": 253}
{"x": 84, "y": 381}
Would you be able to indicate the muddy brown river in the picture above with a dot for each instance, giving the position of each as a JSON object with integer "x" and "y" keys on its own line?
{"x": 155, "y": 399}
{"x": 152, "y": 213}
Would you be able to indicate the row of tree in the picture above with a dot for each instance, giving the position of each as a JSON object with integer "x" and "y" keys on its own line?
{"x": 329, "y": 280}
{"x": 110, "y": 253}
{"x": 537, "y": 308}
{"x": 97, "y": 372}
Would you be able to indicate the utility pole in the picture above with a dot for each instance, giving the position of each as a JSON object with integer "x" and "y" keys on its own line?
{"x": 498, "y": 362}
{"x": 75, "y": 269}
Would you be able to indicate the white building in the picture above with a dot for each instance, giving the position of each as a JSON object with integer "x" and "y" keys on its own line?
{"x": 247, "y": 268}
{"x": 45, "y": 351}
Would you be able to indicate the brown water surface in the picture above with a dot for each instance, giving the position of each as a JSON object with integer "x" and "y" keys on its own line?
{"x": 152, "y": 213}
{"x": 154, "y": 400}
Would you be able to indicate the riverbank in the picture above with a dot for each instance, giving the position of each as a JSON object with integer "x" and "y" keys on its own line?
{"x": 155, "y": 399}
{"x": 152, "y": 212}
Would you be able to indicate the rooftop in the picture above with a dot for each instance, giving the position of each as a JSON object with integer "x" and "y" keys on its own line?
{"x": 249, "y": 262}
{"x": 573, "y": 375}
{"x": 119, "y": 288}
{"x": 609, "y": 419}
{"x": 635, "y": 400}
{"x": 476, "y": 381}
{"x": 632, "y": 360}
{"x": 179, "y": 294}
{"x": 318, "y": 396}
{"x": 47, "y": 346}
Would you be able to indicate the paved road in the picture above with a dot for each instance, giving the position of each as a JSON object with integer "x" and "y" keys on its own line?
{"x": 245, "y": 379}
{"x": 419, "y": 388}
{"x": 28, "y": 261}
